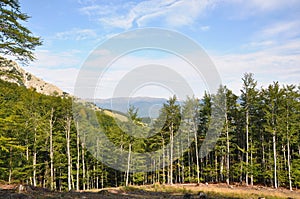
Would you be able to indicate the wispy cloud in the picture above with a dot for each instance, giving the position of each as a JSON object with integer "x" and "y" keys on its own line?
{"x": 172, "y": 13}
{"x": 204, "y": 28}
{"x": 77, "y": 34}
{"x": 270, "y": 5}
{"x": 275, "y": 63}
{"x": 259, "y": 44}
{"x": 281, "y": 30}
{"x": 244, "y": 9}
{"x": 49, "y": 59}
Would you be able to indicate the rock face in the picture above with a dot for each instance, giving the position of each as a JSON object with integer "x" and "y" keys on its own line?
{"x": 10, "y": 71}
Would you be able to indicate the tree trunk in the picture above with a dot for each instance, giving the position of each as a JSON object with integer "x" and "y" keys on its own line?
{"x": 216, "y": 166}
{"x": 275, "y": 159}
{"x": 10, "y": 165}
{"x": 197, "y": 155}
{"x": 128, "y": 165}
{"x": 251, "y": 164}
{"x": 288, "y": 151}
{"x": 247, "y": 143}
{"x": 163, "y": 169}
{"x": 289, "y": 164}
{"x": 83, "y": 164}
{"x": 78, "y": 157}
{"x": 27, "y": 159}
{"x": 221, "y": 166}
{"x": 263, "y": 155}
{"x": 87, "y": 176}
{"x": 68, "y": 129}
{"x": 171, "y": 153}
{"x": 227, "y": 155}
{"x": 51, "y": 151}
{"x": 34, "y": 160}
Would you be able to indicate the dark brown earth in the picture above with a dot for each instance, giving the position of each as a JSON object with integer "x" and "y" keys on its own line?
{"x": 151, "y": 191}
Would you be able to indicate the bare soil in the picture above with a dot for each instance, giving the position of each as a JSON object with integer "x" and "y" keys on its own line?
{"x": 152, "y": 191}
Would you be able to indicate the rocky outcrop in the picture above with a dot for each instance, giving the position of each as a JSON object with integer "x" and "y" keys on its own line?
{"x": 10, "y": 71}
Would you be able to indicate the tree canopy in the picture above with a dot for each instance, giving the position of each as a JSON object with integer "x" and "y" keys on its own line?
{"x": 15, "y": 39}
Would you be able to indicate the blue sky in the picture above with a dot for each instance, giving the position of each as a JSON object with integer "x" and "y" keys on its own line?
{"x": 262, "y": 37}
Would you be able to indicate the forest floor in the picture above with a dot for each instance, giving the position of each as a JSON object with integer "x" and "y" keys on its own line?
{"x": 217, "y": 191}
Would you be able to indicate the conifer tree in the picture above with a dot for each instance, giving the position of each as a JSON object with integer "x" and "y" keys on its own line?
{"x": 15, "y": 39}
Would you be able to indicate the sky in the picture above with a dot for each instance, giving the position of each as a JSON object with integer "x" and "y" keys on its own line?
{"x": 261, "y": 37}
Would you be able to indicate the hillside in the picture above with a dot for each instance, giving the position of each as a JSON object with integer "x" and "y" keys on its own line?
{"x": 10, "y": 71}
{"x": 147, "y": 106}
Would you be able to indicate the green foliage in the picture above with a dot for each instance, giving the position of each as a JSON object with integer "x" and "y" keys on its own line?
{"x": 25, "y": 126}
{"x": 16, "y": 39}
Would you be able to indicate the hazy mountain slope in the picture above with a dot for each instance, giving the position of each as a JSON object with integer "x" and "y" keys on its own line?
{"x": 147, "y": 106}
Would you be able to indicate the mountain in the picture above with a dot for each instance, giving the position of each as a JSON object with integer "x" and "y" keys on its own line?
{"x": 147, "y": 106}
{"x": 10, "y": 71}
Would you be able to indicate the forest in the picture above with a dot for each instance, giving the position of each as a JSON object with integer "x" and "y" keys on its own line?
{"x": 259, "y": 142}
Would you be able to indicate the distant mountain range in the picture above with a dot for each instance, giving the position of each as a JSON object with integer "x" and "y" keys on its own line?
{"x": 147, "y": 106}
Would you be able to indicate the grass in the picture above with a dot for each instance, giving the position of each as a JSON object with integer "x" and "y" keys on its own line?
{"x": 216, "y": 191}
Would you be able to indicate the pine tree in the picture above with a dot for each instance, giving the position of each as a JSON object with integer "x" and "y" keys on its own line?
{"x": 248, "y": 98}
{"x": 16, "y": 39}
{"x": 190, "y": 114}
{"x": 273, "y": 109}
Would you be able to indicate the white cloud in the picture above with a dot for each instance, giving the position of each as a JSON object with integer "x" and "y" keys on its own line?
{"x": 273, "y": 63}
{"x": 259, "y": 44}
{"x": 86, "y": 1}
{"x": 172, "y": 13}
{"x": 204, "y": 28}
{"x": 48, "y": 59}
{"x": 276, "y": 63}
{"x": 77, "y": 34}
{"x": 270, "y": 5}
{"x": 283, "y": 29}
{"x": 244, "y": 9}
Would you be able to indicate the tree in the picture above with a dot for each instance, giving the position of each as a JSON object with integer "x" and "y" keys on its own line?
{"x": 191, "y": 120}
{"x": 131, "y": 128}
{"x": 289, "y": 124}
{"x": 249, "y": 94}
{"x": 172, "y": 121}
{"x": 15, "y": 39}
{"x": 273, "y": 109}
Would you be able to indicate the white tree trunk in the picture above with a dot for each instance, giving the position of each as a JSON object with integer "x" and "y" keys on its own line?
{"x": 197, "y": 155}
{"x": 227, "y": 152}
{"x": 78, "y": 157}
{"x": 251, "y": 164}
{"x": 51, "y": 151}
{"x": 247, "y": 143}
{"x": 68, "y": 129}
{"x": 83, "y": 164}
{"x": 275, "y": 159}
{"x": 128, "y": 165}
{"x": 288, "y": 151}
{"x": 289, "y": 164}
{"x": 171, "y": 153}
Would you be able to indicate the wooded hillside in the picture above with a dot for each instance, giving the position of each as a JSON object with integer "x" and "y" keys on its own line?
{"x": 258, "y": 144}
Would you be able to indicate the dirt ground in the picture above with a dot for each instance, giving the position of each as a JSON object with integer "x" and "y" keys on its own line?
{"x": 152, "y": 191}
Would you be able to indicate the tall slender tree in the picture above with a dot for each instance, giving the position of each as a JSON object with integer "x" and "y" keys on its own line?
{"x": 273, "y": 109}
{"x": 248, "y": 98}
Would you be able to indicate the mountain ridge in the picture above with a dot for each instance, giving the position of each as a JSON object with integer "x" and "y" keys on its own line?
{"x": 10, "y": 71}
{"x": 147, "y": 106}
